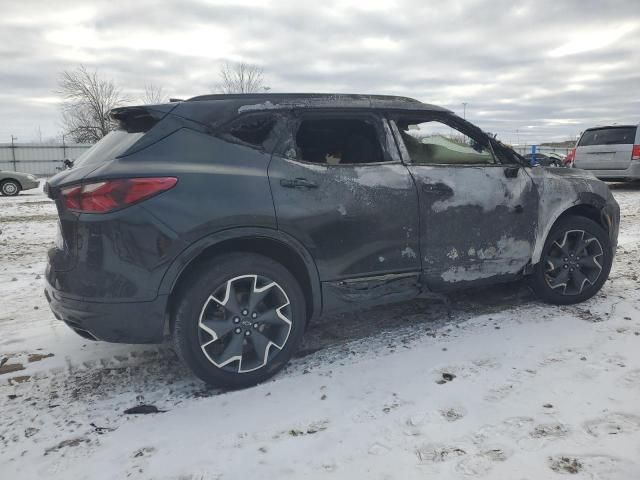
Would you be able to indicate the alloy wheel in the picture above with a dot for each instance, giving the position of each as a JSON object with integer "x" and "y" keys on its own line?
{"x": 573, "y": 261}
{"x": 244, "y": 323}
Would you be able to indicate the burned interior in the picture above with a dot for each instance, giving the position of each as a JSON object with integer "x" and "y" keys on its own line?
{"x": 338, "y": 140}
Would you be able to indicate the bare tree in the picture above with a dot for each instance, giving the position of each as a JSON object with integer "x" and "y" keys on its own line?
{"x": 88, "y": 99}
{"x": 153, "y": 94}
{"x": 241, "y": 78}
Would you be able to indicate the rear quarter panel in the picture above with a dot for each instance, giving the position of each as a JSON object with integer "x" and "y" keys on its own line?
{"x": 124, "y": 255}
{"x": 220, "y": 184}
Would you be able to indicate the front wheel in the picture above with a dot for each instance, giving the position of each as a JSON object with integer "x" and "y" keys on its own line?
{"x": 575, "y": 262}
{"x": 10, "y": 188}
{"x": 240, "y": 318}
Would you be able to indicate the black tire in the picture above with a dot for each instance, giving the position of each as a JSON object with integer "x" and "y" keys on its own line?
{"x": 197, "y": 304}
{"x": 570, "y": 272}
{"x": 10, "y": 188}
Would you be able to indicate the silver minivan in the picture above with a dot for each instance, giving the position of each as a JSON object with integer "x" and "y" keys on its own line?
{"x": 610, "y": 153}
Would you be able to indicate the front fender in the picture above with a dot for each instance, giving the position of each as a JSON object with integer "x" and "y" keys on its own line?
{"x": 560, "y": 191}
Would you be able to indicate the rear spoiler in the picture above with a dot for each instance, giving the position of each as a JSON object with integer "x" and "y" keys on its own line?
{"x": 140, "y": 119}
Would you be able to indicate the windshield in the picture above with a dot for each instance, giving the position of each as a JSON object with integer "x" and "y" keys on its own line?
{"x": 113, "y": 144}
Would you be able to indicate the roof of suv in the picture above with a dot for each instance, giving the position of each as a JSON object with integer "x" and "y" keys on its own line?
{"x": 266, "y": 101}
{"x": 599, "y": 127}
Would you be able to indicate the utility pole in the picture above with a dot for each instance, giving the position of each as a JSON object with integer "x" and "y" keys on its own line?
{"x": 13, "y": 153}
{"x": 464, "y": 110}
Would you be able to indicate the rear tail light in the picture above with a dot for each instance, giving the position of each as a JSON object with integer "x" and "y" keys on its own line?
{"x": 109, "y": 195}
{"x": 635, "y": 152}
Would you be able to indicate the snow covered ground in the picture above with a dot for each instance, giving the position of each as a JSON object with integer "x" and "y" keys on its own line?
{"x": 502, "y": 387}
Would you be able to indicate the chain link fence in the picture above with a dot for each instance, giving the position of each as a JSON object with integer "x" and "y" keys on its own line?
{"x": 40, "y": 160}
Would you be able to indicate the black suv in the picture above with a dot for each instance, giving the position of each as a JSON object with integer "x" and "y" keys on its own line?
{"x": 229, "y": 222}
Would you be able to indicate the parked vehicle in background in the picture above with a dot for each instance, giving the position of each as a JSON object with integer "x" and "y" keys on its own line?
{"x": 543, "y": 160}
{"x": 569, "y": 159}
{"x": 558, "y": 157}
{"x": 610, "y": 153}
{"x": 12, "y": 183}
{"x": 229, "y": 222}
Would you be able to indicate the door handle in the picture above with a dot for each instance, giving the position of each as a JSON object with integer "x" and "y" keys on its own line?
{"x": 298, "y": 183}
{"x": 437, "y": 188}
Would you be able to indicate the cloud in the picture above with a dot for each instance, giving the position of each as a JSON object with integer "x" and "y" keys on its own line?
{"x": 537, "y": 70}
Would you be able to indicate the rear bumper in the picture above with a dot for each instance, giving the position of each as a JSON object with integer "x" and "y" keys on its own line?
{"x": 29, "y": 184}
{"x": 123, "y": 322}
{"x": 632, "y": 172}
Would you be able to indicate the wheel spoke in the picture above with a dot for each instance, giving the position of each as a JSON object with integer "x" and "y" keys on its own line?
{"x": 561, "y": 279}
{"x": 578, "y": 279}
{"x": 270, "y": 317}
{"x": 259, "y": 342}
{"x": 220, "y": 327}
{"x": 589, "y": 261}
{"x": 232, "y": 301}
{"x": 233, "y": 349}
{"x": 581, "y": 244}
{"x": 564, "y": 247}
{"x": 256, "y": 297}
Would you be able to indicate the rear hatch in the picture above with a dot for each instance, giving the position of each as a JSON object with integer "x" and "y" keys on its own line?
{"x": 605, "y": 148}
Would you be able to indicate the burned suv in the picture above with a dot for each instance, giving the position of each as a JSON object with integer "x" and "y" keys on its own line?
{"x": 229, "y": 222}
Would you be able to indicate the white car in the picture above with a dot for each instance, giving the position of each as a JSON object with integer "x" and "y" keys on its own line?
{"x": 610, "y": 153}
{"x": 11, "y": 183}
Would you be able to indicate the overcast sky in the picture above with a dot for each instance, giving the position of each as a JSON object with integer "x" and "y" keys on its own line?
{"x": 530, "y": 71}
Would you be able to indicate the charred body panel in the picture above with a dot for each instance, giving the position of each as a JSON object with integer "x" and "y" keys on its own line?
{"x": 562, "y": 189}
{"x": 351, "y": 225}
{"x": 476, "y": 223}
{"x": 355, "y": 220}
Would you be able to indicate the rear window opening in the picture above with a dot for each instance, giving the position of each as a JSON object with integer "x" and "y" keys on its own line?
{"x": 136, "y": 119}
{"x": 253, "y": 130}
{"x": 608, "y": 136}
{"x": 115, "y": 143}
{"x": 338, "y": 141}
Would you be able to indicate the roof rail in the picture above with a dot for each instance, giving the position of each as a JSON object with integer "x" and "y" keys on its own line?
{"x": 283, "y": 96}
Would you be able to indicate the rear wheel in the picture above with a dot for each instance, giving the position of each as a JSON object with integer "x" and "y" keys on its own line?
{"x": 575, "y": 262}
{"x": 239, "y": 320}
{"x": 10, "y": 188}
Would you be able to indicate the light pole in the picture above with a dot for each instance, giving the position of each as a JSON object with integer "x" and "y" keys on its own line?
{"x": 464, "y": 110}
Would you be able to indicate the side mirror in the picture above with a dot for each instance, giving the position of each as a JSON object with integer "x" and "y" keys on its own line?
{"x": 68, "y": 163}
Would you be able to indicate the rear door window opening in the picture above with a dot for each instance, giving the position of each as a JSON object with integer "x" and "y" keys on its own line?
{"x": 339, "y": 140}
